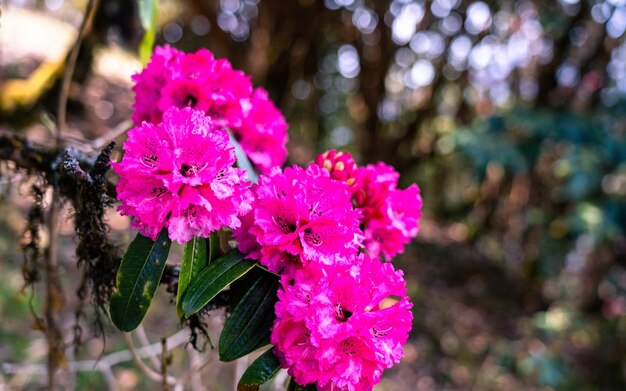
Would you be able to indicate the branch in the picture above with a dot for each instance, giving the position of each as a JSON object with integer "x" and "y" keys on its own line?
{"x": 71, "y": 65}
{"x": 106, "y": 363}
{"x": 143, "y": 339}
{"x": 25, "y": 154}
{"x": 149, "y": 372}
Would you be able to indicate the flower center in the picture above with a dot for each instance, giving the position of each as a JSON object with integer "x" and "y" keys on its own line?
{"x": 380, "y": 332}
{"x": 284, "y": 225}
{"x": 191, "y": 101}
{"x": 156, "y": 192}
{"x": 342, "y": 314}
{"x": 312, "y": 238}
{"x": 187, "y": 170}
{"x": 348, "y": 348}
{"x": 149, "y": 160}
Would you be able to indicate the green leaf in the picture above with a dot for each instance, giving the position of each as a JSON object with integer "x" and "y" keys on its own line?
{"x": 137, "y": 280}
{"x": 194, "y": 260}
{"x": 242, "y": 159}
{"x": 239, "y": 288}
{"x": 148, "y": 17}
{"x": 248, "y": 327}
{"x": 260, "y": 371}
{"x": 213, "y": 279}
{"x": 213, "y": 246}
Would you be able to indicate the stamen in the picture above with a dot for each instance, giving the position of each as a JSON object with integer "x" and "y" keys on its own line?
{"x": 285, "y": 226}
{"x": 341, "y": 314}
{"x": 149, "y": 160}
{"x": 187, "y": 170}
{"x": 312, "y": 238}
{"x": 380, "y": 333}
{"x": 191, "y": 101}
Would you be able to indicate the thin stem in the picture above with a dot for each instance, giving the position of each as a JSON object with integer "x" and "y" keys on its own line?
{"x": 164, "y": 360}
{"x": 85, "y": 27}
{"x": 149, "y": 372}
{"x": 54, "y": 300}
{"x": 140, "y": 331}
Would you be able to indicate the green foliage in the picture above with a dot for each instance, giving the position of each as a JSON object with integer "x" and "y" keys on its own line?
{"x": 213, "y": 247}
{"x": 213, "y": 279}
{"x": 148, "y": 18}
{"x": 194, "y": 260}
{"x": 137, "y": 279}
{"x": 259, "y": 372}
{"x": 248, "y": 327}
{"x": 539, "y": 194}
{"x": 574, "y": 164}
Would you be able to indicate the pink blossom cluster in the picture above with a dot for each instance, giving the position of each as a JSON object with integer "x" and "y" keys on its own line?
{"x": 389, "y": 215}
{"x": 198, "y": 80}
{"x": 339, "y": 327}
{"x": 178, "y": 174}
{"x": 336, "y": 325}
{"x": 343, "y": 314}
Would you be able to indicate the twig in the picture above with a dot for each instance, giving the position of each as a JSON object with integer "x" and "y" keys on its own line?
{"x": 106, "y": 363}
{"x": 111, "y": 135}
{"x": 143, "y": 339}
{"x": 69, "y": 68}
{"x": 187, "y": 376}
{"x": 85, "y": 27}
{"x": 164, "y": 360}
{"x": 100, "y": 142}
{"x": 240, "y": 367}
{"x": 54, "y": 299}
{"x": 149, "y": 372}
{"x": 25, "y": 154}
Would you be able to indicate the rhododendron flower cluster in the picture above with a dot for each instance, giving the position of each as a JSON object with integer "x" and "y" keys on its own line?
{"x": 200, "y": 81}
{"x": 179, "y": 174}
{"x": 342, "y": 315}
{"x": 338, "y": 327}
{"x": 335, "y": 325}
{"x": 390, "y": 215}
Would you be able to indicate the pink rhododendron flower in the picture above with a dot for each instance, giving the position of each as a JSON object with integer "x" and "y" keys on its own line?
{"x": 246, "y": 241}
{"x": 164, "y": 66}
{"x": 302, "y": 215}
{"x": 340, "y": 165}
{"x": 198, "y": 80}
{"x": 179, "y": 174}
{"x": 263, "y": 132}
{"x": 342, "y": 326}
{"x": 390, "y": 215}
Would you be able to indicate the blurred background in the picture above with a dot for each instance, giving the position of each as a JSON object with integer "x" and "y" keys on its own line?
{"x": 510, "y": 115}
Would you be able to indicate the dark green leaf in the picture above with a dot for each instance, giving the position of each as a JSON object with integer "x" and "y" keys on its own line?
{"x": 213, "y": 279}
{"x": 239, "y": 288}
{"x": 137, "y": 279}
{"x": 194, "y": 260}
{"x": 261, "y": 370}
{"x": 248, "y": 327}
{"x": 213, "y": 246}
{"x": 148, "y": 17}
